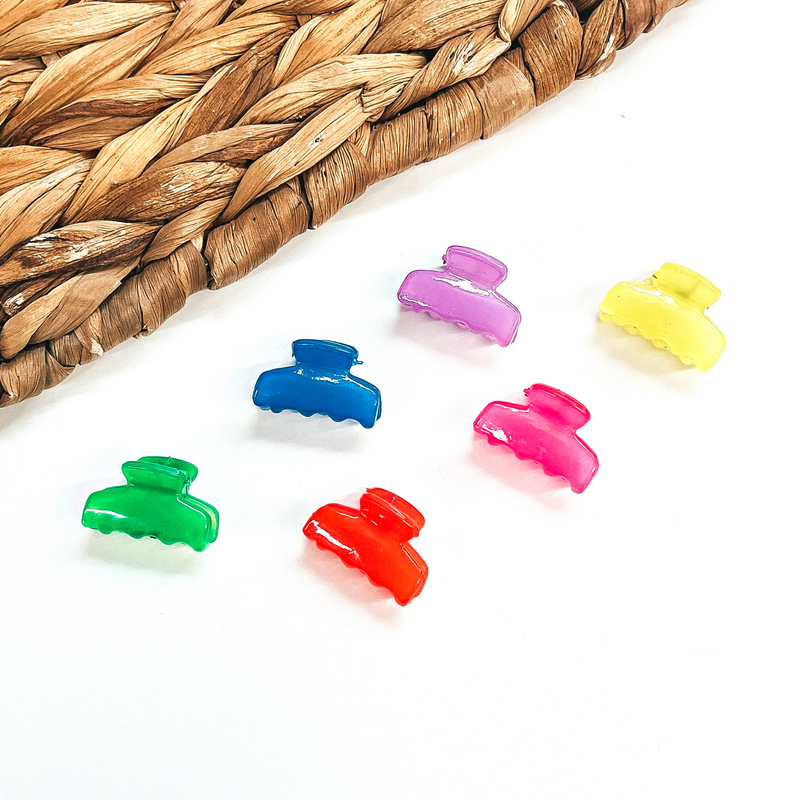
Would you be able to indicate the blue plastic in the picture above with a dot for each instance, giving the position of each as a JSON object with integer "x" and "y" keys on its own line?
{"x": 320, "y": 383}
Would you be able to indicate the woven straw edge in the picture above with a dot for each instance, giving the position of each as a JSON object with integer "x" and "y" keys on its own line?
{"x": 146, "y": 299}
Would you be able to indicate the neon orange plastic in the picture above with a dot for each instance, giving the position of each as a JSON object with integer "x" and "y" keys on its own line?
{"x": 374, "y": 538}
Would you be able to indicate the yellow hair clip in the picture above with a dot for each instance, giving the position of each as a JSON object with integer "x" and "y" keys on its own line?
{"x": 668, "y": 310}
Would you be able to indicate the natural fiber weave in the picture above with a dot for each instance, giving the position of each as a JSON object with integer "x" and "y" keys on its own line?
{"x": 152, "y": 149}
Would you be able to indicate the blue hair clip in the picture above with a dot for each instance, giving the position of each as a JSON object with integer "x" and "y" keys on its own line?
{"x": 320, "y": 383}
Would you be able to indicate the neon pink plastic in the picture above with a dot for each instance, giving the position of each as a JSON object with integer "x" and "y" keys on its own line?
{"x": 464, "y": 293}
{"x": 544, "y": 431}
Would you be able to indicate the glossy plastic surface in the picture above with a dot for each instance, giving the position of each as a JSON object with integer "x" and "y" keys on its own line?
{"x": 320, "y": 383}
{"x": 464, "y": 293}
{"x": 668, "y": 310}
{"x": 544, "y": 431}
{"x": 156, "y": 503}
{"x": 374, "y": 538}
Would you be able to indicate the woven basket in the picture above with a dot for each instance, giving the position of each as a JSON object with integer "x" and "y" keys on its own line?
{"x": 152, "y": 149}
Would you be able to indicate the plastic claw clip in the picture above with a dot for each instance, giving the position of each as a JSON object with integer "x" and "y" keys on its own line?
{"x": 544, "y": 431}
{"x": 155, "y": 502}
{"x": 668, "y": 310}
{"x": 374, "y": 539}
{"x": 465, "y": 292}
{"x": 320, "y": 383}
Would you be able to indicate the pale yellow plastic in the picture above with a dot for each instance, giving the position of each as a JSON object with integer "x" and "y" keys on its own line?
{"x": 668, "y": 310}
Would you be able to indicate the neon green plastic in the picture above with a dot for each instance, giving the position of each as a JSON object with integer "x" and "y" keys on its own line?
{"x": 669, "y": 311}
{"x": 155, "y": 502}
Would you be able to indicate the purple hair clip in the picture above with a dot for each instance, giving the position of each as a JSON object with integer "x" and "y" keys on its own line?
{"x": 465, "y": 292}
{"x": 544, "y": 431}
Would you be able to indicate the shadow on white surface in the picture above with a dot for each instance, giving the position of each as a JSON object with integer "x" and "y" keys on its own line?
{"x": 637, "y": 351}
{"x": 522, "y": 475}
{"x": 147, "y": 553}
{"x": 352, "y": 584}
{"x": 444, "y": 337}
{"x": 317, "y": 431}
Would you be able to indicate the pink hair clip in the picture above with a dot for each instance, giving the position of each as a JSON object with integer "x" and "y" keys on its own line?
{"x": 544, "y": 431}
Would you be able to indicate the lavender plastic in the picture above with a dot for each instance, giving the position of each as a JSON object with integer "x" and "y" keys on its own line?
{"x": 464, "y": 293}
{"x": 544, "y": 431}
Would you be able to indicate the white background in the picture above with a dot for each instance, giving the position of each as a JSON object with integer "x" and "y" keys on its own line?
{"x": 636, "y": 641}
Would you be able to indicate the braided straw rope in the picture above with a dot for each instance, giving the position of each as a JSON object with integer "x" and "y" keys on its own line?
{"x": 152, "y": 149}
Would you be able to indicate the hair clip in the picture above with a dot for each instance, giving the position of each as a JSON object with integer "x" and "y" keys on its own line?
{"x": 464, "y": 292}
{"x": 544, "y": 431}
{"x": 155, "y": 502}
{"x": 320, "y": 383}
{"x": 374, "y": 539}
{"x": 668, "y": 310}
